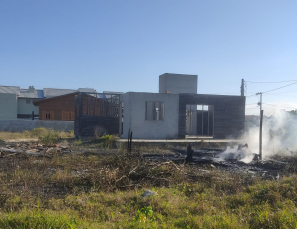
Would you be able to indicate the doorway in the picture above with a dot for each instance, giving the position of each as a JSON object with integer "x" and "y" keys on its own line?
{"x": 199, "y": 120}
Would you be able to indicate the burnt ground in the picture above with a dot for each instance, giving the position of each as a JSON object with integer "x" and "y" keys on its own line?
{"x": 270, "y": 168}
{"x": 57, "y": 170}
{"x": 273, "y": 167}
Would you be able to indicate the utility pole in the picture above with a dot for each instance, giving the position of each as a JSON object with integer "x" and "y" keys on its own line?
{"x": 261, "y": 121}
{"x": 260, "y": 103}
{"x": 242, "y": 87}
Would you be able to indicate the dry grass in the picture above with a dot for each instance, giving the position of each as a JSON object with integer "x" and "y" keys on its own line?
{"x": 34, "y": 134}
{"x": 103, "y": 190}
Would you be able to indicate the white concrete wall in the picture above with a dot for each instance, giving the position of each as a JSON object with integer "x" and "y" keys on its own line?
{"x": 27, "y": 108}
{"x": 134, "y": 116}
{"x": 178, "y": 83}
{"x": 8, "y": 106}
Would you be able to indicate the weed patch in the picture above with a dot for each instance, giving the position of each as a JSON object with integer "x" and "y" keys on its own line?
{"x": 84, "y": 190}
{"x": 50, "y": 138}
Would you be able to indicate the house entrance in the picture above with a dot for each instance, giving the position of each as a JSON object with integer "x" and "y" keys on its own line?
{"x": 199, "y": 120}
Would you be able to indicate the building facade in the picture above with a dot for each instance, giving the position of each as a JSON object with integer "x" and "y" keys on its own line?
{"x": 177, "y": 111}
{"x": 57, "y": 108}
{"x": 8, "y": 105}
{"x": 150, "y": 115}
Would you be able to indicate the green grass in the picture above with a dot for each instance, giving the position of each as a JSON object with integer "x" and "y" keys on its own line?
{"x": 38, "y": 219}
{"x": 171, "y": 208}
{"x": 103, "y": 142}
{"x": 104, "y": 191}
{"x": 50, "y": 138}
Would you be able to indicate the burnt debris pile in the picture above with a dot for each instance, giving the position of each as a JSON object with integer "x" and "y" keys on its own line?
{"x": 236, "y": 159}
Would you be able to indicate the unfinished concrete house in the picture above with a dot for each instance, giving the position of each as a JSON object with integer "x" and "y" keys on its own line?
{"x": 178, "y": 111}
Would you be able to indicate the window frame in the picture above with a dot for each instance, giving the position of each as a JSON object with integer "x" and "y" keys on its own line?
{"x": 48, "y": 115}
{"x": 155, "y": 106}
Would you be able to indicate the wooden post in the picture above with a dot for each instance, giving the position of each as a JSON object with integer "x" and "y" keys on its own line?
{"x": 129, "y": 148}
{"x": 130, "y": 141}
{"x": 189, "y": 157}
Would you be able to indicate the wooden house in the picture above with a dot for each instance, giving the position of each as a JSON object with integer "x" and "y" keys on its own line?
{"x": 62, "y": 107}
{"x": 57, "y": 108}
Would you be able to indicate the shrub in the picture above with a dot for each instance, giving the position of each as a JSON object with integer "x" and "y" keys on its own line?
{"x": 108, "y": 141}
{"x": 145, "y": 214}
{"x": 39, "y": 132}
{"x": 51, "y": 138}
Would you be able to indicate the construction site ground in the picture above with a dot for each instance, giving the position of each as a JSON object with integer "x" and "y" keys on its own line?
{"x": 95, "y": 184}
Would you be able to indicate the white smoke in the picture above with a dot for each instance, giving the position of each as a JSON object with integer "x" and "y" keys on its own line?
{"x": 237, "y": 153}
{"x": 279, "y": 135}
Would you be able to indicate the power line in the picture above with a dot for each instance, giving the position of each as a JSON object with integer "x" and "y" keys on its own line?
{"x": 282, "y": 92}
{"x": 288, "y": 96}
{"x": 251, "y": 95}
{"x": 275, "y": 89}
{"x": 279, "y": 88}
{"x": 273, "y": 82}
{"x": 279, "y": 106}
{"x": 295, "y": 81}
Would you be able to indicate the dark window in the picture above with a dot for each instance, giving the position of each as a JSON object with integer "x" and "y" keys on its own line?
{"x": 154, "y": 110}
{"x": 28, "y": 101}
{"x": 47, "y": 115}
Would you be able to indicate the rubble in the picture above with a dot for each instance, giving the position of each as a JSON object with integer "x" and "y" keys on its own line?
{"x": 232, "y": 160}
{"x": 32, "y": 149}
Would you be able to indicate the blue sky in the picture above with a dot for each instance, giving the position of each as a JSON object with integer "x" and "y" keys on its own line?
{"x": 125, "y": 45}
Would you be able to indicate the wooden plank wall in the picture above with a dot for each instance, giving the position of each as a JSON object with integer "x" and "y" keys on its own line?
{"x": 57, "y": 107}
{"x": 95, "y": 116}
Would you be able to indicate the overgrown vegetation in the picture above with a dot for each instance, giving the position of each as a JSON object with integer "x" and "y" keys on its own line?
{"x": 39, "y": 132}
{"x": 104, "y": 191}
{"x": 105, "y": 142}
{"x": 50, "y": 138}
{"x": 108, "y": 141}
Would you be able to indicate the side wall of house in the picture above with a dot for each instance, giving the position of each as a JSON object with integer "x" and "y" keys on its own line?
{"x": 56, "y": 107}
{"x": 135, "y": 116}
{"x": 229, "y": 113}
{"x": 8, "y": 106}
{"x": 26, "y": 106}
{"x": 178, "y": 83}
